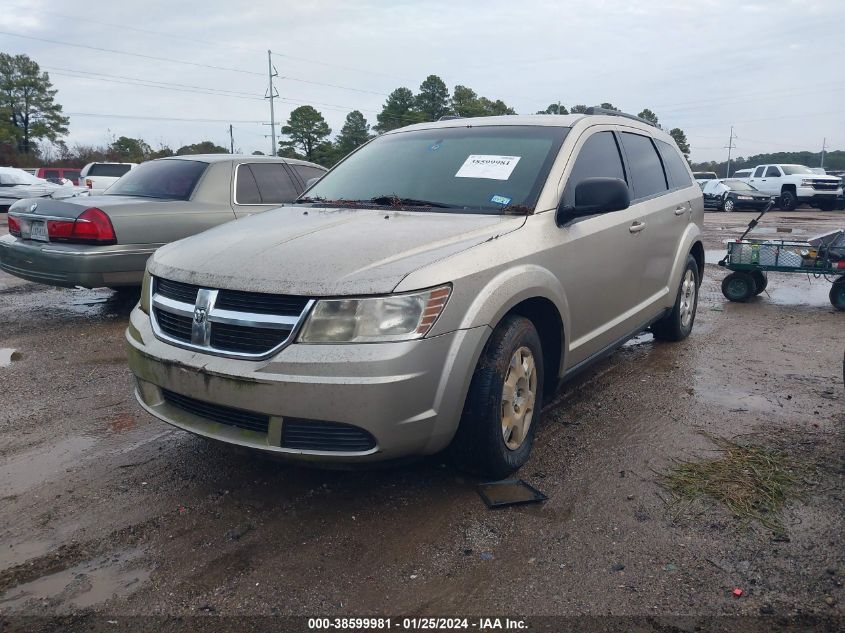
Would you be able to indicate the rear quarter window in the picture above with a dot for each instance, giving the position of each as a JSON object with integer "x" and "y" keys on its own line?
{"x": 647, "y": 176}
{"x": 676, "y": 168}
{"x": 306, "y": 172}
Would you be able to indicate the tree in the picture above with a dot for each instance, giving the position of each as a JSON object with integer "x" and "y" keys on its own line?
{"x": 398, "y": 111}
{"x": 258, "y": 153}
{"x": 27, "y": 100}
{"x": 163, "y": 151}
{"x": 306, "y": 128}
{"x": 465, "y": 102}
{"x": 129, "y": 150}
{"x": 354, "y": 133}
{"x": 203, "y": 147}
{"x": 554, "y": 108}
{"x": 648, "y": 115}
{"x": 681, "y": 139}
{"x": 433, "y": 98}
{"x": 578, "y": 109}
{"x": 609, "y": 106}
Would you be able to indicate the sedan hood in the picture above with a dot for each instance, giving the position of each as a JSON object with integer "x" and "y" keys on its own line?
{"x": 324, "y": 252}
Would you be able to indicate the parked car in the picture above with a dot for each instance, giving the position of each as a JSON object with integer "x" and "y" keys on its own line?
{"x": 17, "y": 184}
{"x": 742, "y": 173}
{"x": 427, "y": 292}
{"x": 795, "y": 185}
{"x": 100, "y": 176}
{"x": 702, "y": 177}
{"x": 730, "y": 194}
{"x": 59, "y": 173}
{"x": 105, "y": 240}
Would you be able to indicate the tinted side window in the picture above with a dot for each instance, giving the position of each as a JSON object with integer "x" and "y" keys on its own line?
{"x": 759, "y": 172}
{"x": 676, "y": 168}
{"x": 647, "y": 175}
{"x": 773, "y": 172}
{"x": 306, "y": 172}
{"x": 274, "y": 184}
{"x": 51, "y": 173}
{"x": 106, "y": 169}
{"x": 599, "y": 158}
{"x": 246, "y": 191}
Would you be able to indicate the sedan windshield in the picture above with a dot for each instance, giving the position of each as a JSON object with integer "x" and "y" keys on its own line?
{"x": 792, "y": 170}
{"x": 484, "y": 169}
{"x": 738, "y": 185}
{"x": 167, "y": 179}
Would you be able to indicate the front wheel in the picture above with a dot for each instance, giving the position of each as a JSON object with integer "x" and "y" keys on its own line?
{"x": 827, "y": 205}
{"x": 502, "y": 408}
{"x": 788, "y": 201}
{"x": 728, "y": 205}
{"x": 677, "y": 325}
{"x": 837, "y": 294}
{"x": 739, "y": 286}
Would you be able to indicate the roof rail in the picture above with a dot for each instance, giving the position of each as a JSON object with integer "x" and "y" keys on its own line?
{"x": 606, "y": 111}
{"x": 450, "y": 117}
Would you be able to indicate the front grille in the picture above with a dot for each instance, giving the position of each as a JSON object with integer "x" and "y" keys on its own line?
{"x": 186, "y": 293}
{"x": 218, "y": 413}
{"x": 261, "y": 303}
{"x": 245, "y": 339}
{"x": 225, "y": 322}
{"x": 316, "y": 435}
{"x": 825, "y": 186}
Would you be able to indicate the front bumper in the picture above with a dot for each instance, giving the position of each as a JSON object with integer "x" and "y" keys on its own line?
{"x": 70, "y": 265}
{"x": 810, "y": 195}
{"x": 408, "y": 395}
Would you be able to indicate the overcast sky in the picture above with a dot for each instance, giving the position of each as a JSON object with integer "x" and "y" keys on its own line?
{"x": 771, "y": 68}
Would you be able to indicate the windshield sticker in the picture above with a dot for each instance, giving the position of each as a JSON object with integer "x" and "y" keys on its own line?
{"x": 488, "y": 166}
{"x": 435, "y": 147}
{"x": 500, "y": 200}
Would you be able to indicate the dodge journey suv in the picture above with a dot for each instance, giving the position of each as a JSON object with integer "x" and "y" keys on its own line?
{"x": 426, "y": 293}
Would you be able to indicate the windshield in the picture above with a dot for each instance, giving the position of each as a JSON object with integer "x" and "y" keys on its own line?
{"x": 166, "y": 179}
{"x": 485, "y": 168}
{"x": 791, "y": 170}
{"x": 738, "y": 185}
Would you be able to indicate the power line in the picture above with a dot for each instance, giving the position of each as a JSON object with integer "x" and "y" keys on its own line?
{"x": 159, "y": 118}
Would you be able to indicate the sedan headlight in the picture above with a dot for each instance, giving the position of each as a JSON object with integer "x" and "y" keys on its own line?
{"x": 744, "y": 198}
{"x": 400, "y": 317}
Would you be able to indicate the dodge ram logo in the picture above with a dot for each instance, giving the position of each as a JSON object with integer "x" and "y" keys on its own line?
{"x": 200, "y": 315}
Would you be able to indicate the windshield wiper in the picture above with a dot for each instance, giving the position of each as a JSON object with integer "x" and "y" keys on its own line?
{"x": 396, "y": 201}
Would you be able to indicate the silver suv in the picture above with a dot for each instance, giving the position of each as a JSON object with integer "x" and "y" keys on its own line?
{"x": 426, "y": 293}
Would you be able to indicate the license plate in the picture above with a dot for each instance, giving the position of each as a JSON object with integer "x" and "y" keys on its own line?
{"x": 37, "y": 230}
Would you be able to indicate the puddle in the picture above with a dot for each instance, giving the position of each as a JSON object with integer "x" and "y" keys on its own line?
{"x": 35, "y": 466}
{"x": 82, "y": 586}
{"x": 803, "y": 292}
{"x": 8, "y": 355}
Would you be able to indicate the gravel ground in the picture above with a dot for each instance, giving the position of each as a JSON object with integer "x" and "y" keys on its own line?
{"x": 106, "y": 511}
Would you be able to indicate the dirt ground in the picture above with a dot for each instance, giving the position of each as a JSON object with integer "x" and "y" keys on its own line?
{"x": 107, "y": 511}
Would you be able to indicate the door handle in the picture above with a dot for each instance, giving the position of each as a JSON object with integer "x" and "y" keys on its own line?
{"x": 680, "y": 210}
{"x": 636, "y": 227}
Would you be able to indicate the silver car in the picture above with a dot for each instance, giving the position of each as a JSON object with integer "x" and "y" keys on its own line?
{"x": 105, "y": 240}
{"x": 428, "y": 292}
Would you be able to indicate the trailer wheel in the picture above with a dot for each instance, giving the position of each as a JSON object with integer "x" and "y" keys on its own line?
{"x": 761, "y": 280}
{"x": 739, "y": 286}
{"x": 837, "y": 294}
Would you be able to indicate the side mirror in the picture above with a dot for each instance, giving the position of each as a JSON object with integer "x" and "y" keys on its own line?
{"x": 596, "y": 195}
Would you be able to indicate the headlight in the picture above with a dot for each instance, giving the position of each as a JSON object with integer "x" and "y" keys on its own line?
{"x": 145, "y": 292}
{"x": 401, "y": 317}
{"x": 744, "y": 198}
{"x": 806, "y": 183}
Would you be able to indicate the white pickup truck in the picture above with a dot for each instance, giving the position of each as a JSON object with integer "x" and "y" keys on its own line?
{"x": 100, "y": 176}
{"x": 795, "y": 185}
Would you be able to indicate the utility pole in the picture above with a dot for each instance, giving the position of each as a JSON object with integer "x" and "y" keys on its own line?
{"x": 824, "y": 144}
{"x": 271, "y": 95}
{"x": 231, "y": 140}
{"x": 729, "y": 147}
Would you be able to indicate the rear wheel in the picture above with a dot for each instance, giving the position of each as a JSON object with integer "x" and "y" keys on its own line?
{"x": 837, "y": 294}
{"x": 827, "y": 205}
{"x": 677, "y": 325}
{"x": 760, "y": 280}
{"x": 788, "y": 200}
{"x": 739, "y": 286}
{"x": 502, "y": 408}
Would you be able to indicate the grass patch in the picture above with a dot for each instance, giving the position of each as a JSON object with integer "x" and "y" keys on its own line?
{"x": 753, "y": 482}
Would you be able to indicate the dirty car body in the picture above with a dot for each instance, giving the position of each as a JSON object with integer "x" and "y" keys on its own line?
{"x": 17, "y": 184}
{"x": 361, "y": 323}
{"x": 105, "y": 240}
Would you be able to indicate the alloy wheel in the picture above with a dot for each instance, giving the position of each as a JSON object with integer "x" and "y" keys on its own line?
{"x": 519, "y": 395}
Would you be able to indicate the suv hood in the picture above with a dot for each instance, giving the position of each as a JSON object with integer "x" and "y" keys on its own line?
{"x": 324, "y": 252}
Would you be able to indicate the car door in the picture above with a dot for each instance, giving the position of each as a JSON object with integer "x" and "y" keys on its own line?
{"x": 756, "y": 179}
{"x": 772, "y": 180}
{"x": 262, "y": 186}
{"x": 593, "y": 253}
{"x": 664, "y": 213}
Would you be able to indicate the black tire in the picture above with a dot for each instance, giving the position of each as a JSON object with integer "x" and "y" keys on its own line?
{"x": 739, "y": 286}
{"x": 837, "y": 294}
{"x": 728, "y": 205}
{"x": 760, "y": 280}
{"x": 479, "y": 445}
{"x": 788, "y": 200}
{"x": 827, "y": 206}
{"x": 677, "y": 325}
